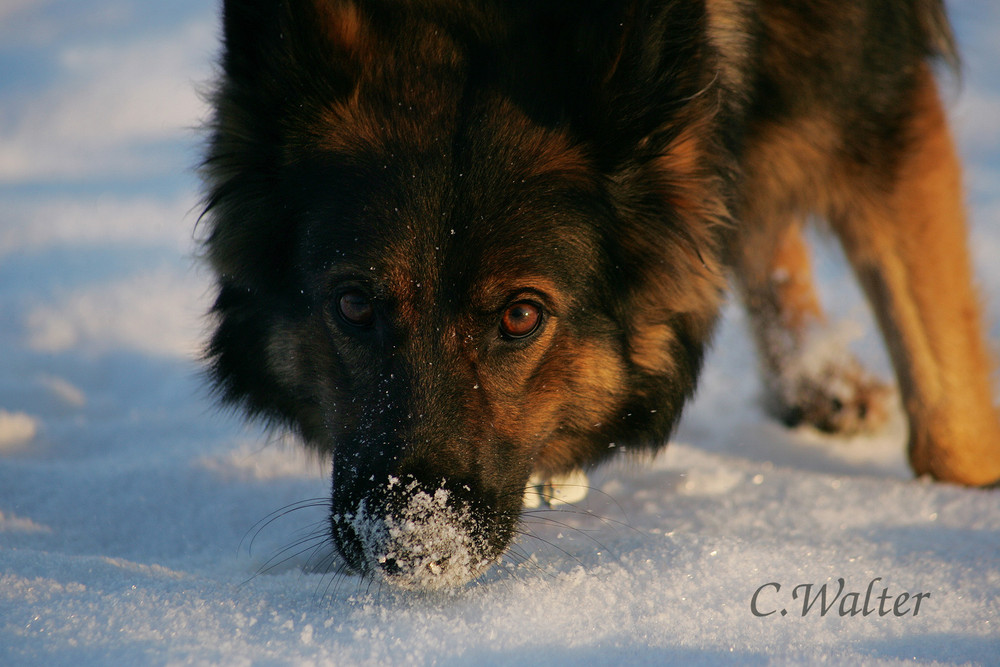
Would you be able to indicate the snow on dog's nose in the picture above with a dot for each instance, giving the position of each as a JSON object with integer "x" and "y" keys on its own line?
{"x": 424, "y": 543}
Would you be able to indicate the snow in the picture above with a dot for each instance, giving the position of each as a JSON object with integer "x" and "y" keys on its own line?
{"x": 428, "y": 542}
{"x": 139, "y": 525}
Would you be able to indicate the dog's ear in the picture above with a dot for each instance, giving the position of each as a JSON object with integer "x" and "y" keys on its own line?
{"x": 281, "y": 60}
{"x": 634, "y": 66}
{"x": 274, "y": 44}
{"x": 644, "y": 96}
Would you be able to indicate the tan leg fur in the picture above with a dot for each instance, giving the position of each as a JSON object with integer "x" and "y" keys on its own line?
{"x": 909, "y": 252}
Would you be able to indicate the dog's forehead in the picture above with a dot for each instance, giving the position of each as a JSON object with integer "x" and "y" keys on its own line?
{"x": 468, "y": 205}
{"x": 478, "y": 253}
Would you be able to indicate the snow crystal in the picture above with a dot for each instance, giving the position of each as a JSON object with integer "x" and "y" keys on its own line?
{"x": 426, "y": 545}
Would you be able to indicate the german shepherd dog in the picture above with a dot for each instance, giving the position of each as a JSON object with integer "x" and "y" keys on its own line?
{"x": 461, "y": 244}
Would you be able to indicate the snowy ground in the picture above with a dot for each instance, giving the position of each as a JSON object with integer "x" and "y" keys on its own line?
{"x": 127, "y": 503}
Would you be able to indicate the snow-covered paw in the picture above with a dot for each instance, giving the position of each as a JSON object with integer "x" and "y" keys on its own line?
{"x": 558, "y": 490}
{"x": 839, "y": 398}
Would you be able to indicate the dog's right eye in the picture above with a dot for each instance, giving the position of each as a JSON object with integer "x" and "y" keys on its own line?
{"x": 356, "y": 308}
{"x": 521, "y": 320}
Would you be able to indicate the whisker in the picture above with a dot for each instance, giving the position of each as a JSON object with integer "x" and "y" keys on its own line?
{"x": 572, "y": 511}
{"x": 526, "y": 559}
{"x": 322, "y": 565}
{"x": 550, "y": 544}
{"x": 591, "y": 490}
{"x": 313, "y": 541}
{"x": 263, "y": 523}
{"x": 566, "y": 526}
{"x": 335, "y": 578}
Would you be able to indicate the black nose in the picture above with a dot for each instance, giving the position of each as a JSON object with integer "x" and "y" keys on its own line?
{"x": 413, "y": 537}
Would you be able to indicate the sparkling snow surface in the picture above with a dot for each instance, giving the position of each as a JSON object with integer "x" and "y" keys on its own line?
{"x": 136, "y": 522}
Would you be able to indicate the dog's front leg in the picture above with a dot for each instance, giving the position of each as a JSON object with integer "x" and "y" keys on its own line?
{"x": 909, "y": 252}
{"x": 809, "y": 376}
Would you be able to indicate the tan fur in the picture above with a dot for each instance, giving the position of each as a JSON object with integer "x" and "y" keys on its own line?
{"x": 693, "y": 281}
{"x": 343, "y": 26}
{"x": 727, "y": 20}
{"x": 574, "y": 385}
{"x": 909, "y": 251}
{"x": 779, "y": 294}
{"x": 790, "y": 274}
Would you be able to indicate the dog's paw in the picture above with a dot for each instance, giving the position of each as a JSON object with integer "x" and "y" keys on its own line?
{"x": 559, "y": 490}
{"x": 837, "y": 397}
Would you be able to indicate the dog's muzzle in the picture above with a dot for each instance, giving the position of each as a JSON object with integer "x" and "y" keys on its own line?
{"x": 416, "y": 539}
{"x": 420, "y": 539}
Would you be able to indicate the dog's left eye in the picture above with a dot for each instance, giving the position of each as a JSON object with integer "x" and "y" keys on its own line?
{"x": 521, "y": 319}
{"x": 356, "y": 308}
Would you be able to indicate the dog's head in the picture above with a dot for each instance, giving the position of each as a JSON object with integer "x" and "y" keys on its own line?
{"x": 455, "y": 248}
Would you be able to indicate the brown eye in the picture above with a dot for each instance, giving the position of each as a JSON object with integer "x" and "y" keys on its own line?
{"x": 521, "y": 319}
{"x": 356, "y": 308}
